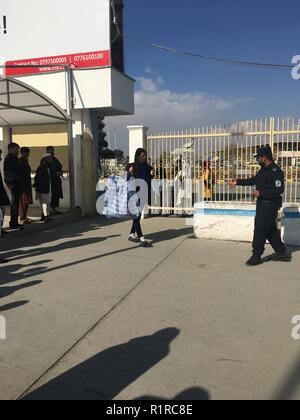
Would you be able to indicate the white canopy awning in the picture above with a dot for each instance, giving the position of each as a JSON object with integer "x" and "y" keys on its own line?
{"x": 21, "y": 104}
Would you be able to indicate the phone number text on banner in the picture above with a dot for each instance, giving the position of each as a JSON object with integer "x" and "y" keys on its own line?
{"x": 57, "y": 63}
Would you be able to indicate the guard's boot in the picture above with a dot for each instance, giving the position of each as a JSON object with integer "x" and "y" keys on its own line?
{"x": 282, "y": 257}
{"x": 254, "y": 261}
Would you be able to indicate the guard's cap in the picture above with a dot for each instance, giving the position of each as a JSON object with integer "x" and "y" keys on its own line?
{"x": 264, "y": 152}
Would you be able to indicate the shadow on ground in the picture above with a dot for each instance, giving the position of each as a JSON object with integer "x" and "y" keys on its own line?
{"x": 168, "y": 235}
{"x": 107, "y": 374}
{"x": 190, "y": 394}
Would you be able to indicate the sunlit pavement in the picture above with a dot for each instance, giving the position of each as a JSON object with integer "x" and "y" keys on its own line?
{"x": 92, "y": 316}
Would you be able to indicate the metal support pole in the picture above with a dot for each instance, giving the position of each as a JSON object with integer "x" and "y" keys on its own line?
{"x": 70, "y": 107}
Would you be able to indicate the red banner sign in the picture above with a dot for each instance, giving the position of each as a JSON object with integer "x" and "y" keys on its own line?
{"x": 57, "y": 63}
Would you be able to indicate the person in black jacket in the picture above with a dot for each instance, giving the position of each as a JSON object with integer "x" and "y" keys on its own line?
{"x": 140, "y": 169}
{"x": 56, "y": 172}
{"x": 42, "y": 185}
{"x": 13, "y": 182}
{"x": 26, "y": 187}
{"x": 4, "y": 200}
{"x": 269, "y": 183}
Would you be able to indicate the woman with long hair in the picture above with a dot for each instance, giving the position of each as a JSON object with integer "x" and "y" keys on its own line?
{"x": 140, "y": 169}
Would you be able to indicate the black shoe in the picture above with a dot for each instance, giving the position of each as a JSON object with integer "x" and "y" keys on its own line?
{"x": 254, "y": 261}
{"x": 282, "y": 257}
{"x": 16, "y": 227}
{"x": 145, "y": 244}
{"x": 48, "y": 219}
{"x": 43, "y": 218}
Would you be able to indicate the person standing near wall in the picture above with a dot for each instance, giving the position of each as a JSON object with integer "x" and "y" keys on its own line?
{"x": 4, "y": 200}
{"x": 26, "y": 186}
{"x": 42, "y": 185}
{"x": 269, "y": 183}
{"x": 56, "y": 172}
{"x": 13, "y": 182}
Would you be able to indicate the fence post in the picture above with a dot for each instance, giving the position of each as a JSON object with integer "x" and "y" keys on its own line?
{"x": 137, "y": 139}
{"x": 272, "y": 132}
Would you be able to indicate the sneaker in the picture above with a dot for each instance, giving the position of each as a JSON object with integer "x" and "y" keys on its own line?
{"x": 145, "y": 244}
{"x": 282, "y": 257}
{"x": 133, "y": 238}
{"x": 28, "y": 221}
{"x": 254, "y": 261}
{"x": 48, "y": 219}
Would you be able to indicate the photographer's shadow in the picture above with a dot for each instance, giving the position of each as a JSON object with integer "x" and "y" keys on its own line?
{"x": 107, "y": 374}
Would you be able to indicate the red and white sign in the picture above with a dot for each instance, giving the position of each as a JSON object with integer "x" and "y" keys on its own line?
{"x": 57, "y": 63}
{"x": 57, "y": 32}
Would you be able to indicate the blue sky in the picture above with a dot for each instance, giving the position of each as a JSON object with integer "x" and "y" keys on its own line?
{"x": 206, "y": 92}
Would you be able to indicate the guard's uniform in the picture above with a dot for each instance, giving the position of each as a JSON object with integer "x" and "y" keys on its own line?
{"x": 270, "y": 183}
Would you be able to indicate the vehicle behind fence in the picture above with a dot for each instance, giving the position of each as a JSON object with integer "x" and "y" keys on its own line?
{"x": 202, "y": 161}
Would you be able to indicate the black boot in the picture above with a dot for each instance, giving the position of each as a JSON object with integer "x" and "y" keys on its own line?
{"x": 282, "y": 257}
{"x": 254, "y": 261}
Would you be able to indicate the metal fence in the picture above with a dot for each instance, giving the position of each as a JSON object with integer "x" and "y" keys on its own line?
{"x": 211, "y": 156}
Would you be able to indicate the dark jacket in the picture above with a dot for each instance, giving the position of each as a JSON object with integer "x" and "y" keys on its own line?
{"x": 4, "y": 200}
{"x": 269, "y": 182}
{"x": 25, "y": 174}
{"x": 12, "y": 172}
{"x": 141, "y": 171}
{"x": 56, "y": 181}
{"x": 42, "y": 180}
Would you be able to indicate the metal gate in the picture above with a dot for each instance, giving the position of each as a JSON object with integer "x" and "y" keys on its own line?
{"x": 205, "y": 159}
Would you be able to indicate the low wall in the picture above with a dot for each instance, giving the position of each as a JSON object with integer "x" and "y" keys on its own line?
{"x": 229, "y": 222}
{"x": 235, "y": 222}
{"x": 291, "y": 226}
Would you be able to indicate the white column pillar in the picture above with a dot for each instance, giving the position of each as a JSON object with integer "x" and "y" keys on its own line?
{"x": 137, "y": 139}
{"x": 83, "y": 177}
{"x": 77, "y": 139}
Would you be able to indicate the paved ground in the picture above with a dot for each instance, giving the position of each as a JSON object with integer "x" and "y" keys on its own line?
{"x": 90, "y": 315}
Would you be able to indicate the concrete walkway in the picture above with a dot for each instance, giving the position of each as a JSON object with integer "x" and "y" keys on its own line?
{"x": 92, "y": 316}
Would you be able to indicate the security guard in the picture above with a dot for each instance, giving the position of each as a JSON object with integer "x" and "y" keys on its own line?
{"x": 269, "y": 183}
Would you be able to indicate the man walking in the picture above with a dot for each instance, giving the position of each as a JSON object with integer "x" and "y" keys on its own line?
{"x": 13, "y": 182}
{"x": 269, "y": 183}
{"x": 56, "y": 173}
{"x": 26, "y": 186}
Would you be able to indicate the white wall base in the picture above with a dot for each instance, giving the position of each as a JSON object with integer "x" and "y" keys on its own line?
{"x": 227, "y": 222}
{"x": 235, "y": 222}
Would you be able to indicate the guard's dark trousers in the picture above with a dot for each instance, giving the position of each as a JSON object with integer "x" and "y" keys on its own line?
{"x": 266, "y": 228}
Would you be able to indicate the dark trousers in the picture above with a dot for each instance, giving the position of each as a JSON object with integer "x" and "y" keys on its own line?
{"x": 136, "y": 227}
{"x": 266, "y": 228}
{"x": 14, "y": 207}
